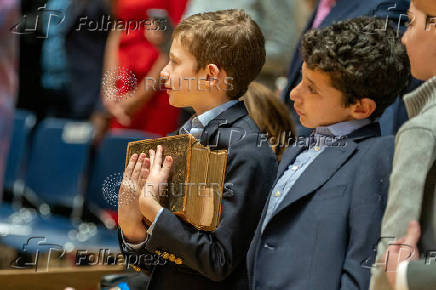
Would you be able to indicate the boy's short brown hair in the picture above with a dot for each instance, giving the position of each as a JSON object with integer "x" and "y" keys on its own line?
{"x": 229, "y": 39}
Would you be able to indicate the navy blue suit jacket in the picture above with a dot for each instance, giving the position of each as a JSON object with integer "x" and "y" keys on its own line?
{"x": 329, "y": 222}
{"x": 216, "y": 260}
{"x": 395, "y": 10}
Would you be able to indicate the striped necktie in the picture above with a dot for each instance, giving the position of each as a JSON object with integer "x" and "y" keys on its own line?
{"x": 196, "y": 128}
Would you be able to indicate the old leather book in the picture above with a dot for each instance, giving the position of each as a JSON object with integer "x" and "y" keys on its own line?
{"x": 196, "y": 181}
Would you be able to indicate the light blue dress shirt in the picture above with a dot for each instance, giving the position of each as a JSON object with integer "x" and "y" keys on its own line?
{"x": 193, "y": 126}
{"x": 317, "y": 144}
{"x": 196, "y": 124}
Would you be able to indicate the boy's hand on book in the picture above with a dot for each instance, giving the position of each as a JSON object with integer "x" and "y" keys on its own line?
{"x": 155, "y": 183}
{"x": 129, "y": 215}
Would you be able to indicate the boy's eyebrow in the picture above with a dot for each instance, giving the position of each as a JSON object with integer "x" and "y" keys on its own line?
{"x": 312, "y": 83}
{"x": 172, "y": 55}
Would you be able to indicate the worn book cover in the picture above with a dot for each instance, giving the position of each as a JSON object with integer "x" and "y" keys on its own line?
{"x": 196, "y": 181}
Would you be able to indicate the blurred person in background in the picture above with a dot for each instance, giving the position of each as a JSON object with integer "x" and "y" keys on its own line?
{"x": 85, "y": 47}
{"x": 9, "y": 16}
{"x": 271, "y": 116}
{"x": 325, "y": 13}
{"x": 55, "y": 77}
{"x": 408, "y": 263}
{"x": 65, "y": 81}
{"x": 29, "y": 75}
{"x": 136, "y": 57}
{"x": 85, "y": 50}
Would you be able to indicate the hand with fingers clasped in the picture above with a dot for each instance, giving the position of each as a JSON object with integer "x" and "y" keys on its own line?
{"x": 403, "y": 249}
{"x": 129, "y": 215}
{"x": 155, "y": 183}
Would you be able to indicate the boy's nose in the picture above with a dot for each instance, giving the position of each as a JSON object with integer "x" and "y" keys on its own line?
{"x": 404, "y": 38}
{"x": 294, "y": 94}
{"x": 164, "y": 74}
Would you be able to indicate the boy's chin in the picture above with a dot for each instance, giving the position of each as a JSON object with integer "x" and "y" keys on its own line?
{"x": 172, "y": 101}
{"x": 306, "y": 124}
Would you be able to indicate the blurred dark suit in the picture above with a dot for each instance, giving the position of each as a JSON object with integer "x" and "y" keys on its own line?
{"x": 85, "y": 53}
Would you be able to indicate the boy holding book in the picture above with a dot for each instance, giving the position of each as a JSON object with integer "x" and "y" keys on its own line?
{"x": 213, "y": 58}
{"x": 322, "y": 218}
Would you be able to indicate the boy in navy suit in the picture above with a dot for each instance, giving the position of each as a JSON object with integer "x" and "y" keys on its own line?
{"x": 322, "y": 218}
{"x": 326, "y": 13}
{"x": 213, "y": 58}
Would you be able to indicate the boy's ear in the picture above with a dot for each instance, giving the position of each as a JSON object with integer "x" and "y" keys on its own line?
{"x": 213, "y": 73}
{"x": 363, "y": 108}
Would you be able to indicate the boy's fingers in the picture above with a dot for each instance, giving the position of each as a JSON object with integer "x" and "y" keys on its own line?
{"x": 143, "y": 177}
{"x": 137, "y": 169}
{"x": 395, "y": 246}
{"x": 146, "y": 163}
{"x": 413, "y": 234}
{"x": 129, "y": 169}
{"x": 151, "y": 153}
{"x": 146, "y": 168}
{"x": 406, "y": 246}
{"x": 412, "y": 238}
{"x": 158, "y": 158}
{"x": 167, "y": 166}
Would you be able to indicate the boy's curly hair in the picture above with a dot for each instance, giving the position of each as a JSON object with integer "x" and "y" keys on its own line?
{"x": 228, "y": 38}
{"x": 364, "y": 58}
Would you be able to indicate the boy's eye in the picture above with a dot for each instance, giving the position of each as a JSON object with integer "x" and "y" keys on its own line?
{"x": 410, "y": 21}
{"x": 311, "y": 89}
{"x": 431, "y": 21}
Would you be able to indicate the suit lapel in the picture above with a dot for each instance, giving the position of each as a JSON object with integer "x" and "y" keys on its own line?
{"x": 326, "y": 164}
{"x": 288, "y": 158}
{"x": 318, "y": 173}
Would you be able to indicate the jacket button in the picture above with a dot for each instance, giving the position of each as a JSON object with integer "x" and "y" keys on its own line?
{"x": 172, "y": 258}
{"x": 165, "y": 255}
{"x": 137, "y": 269}
{"x": 178, "y": 261}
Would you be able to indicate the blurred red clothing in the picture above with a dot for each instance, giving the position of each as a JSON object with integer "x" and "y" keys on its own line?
{"x": 138, "y": 55}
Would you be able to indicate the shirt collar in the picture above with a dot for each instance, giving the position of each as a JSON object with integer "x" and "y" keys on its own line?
{"x": 206, "y": 117}
{"x": 342, "y": 128}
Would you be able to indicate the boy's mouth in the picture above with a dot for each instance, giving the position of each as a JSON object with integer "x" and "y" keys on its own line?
{"x": 298, "y": 111}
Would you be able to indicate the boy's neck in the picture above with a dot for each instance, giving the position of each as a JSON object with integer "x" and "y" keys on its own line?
{"x": 207, "y": 106}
